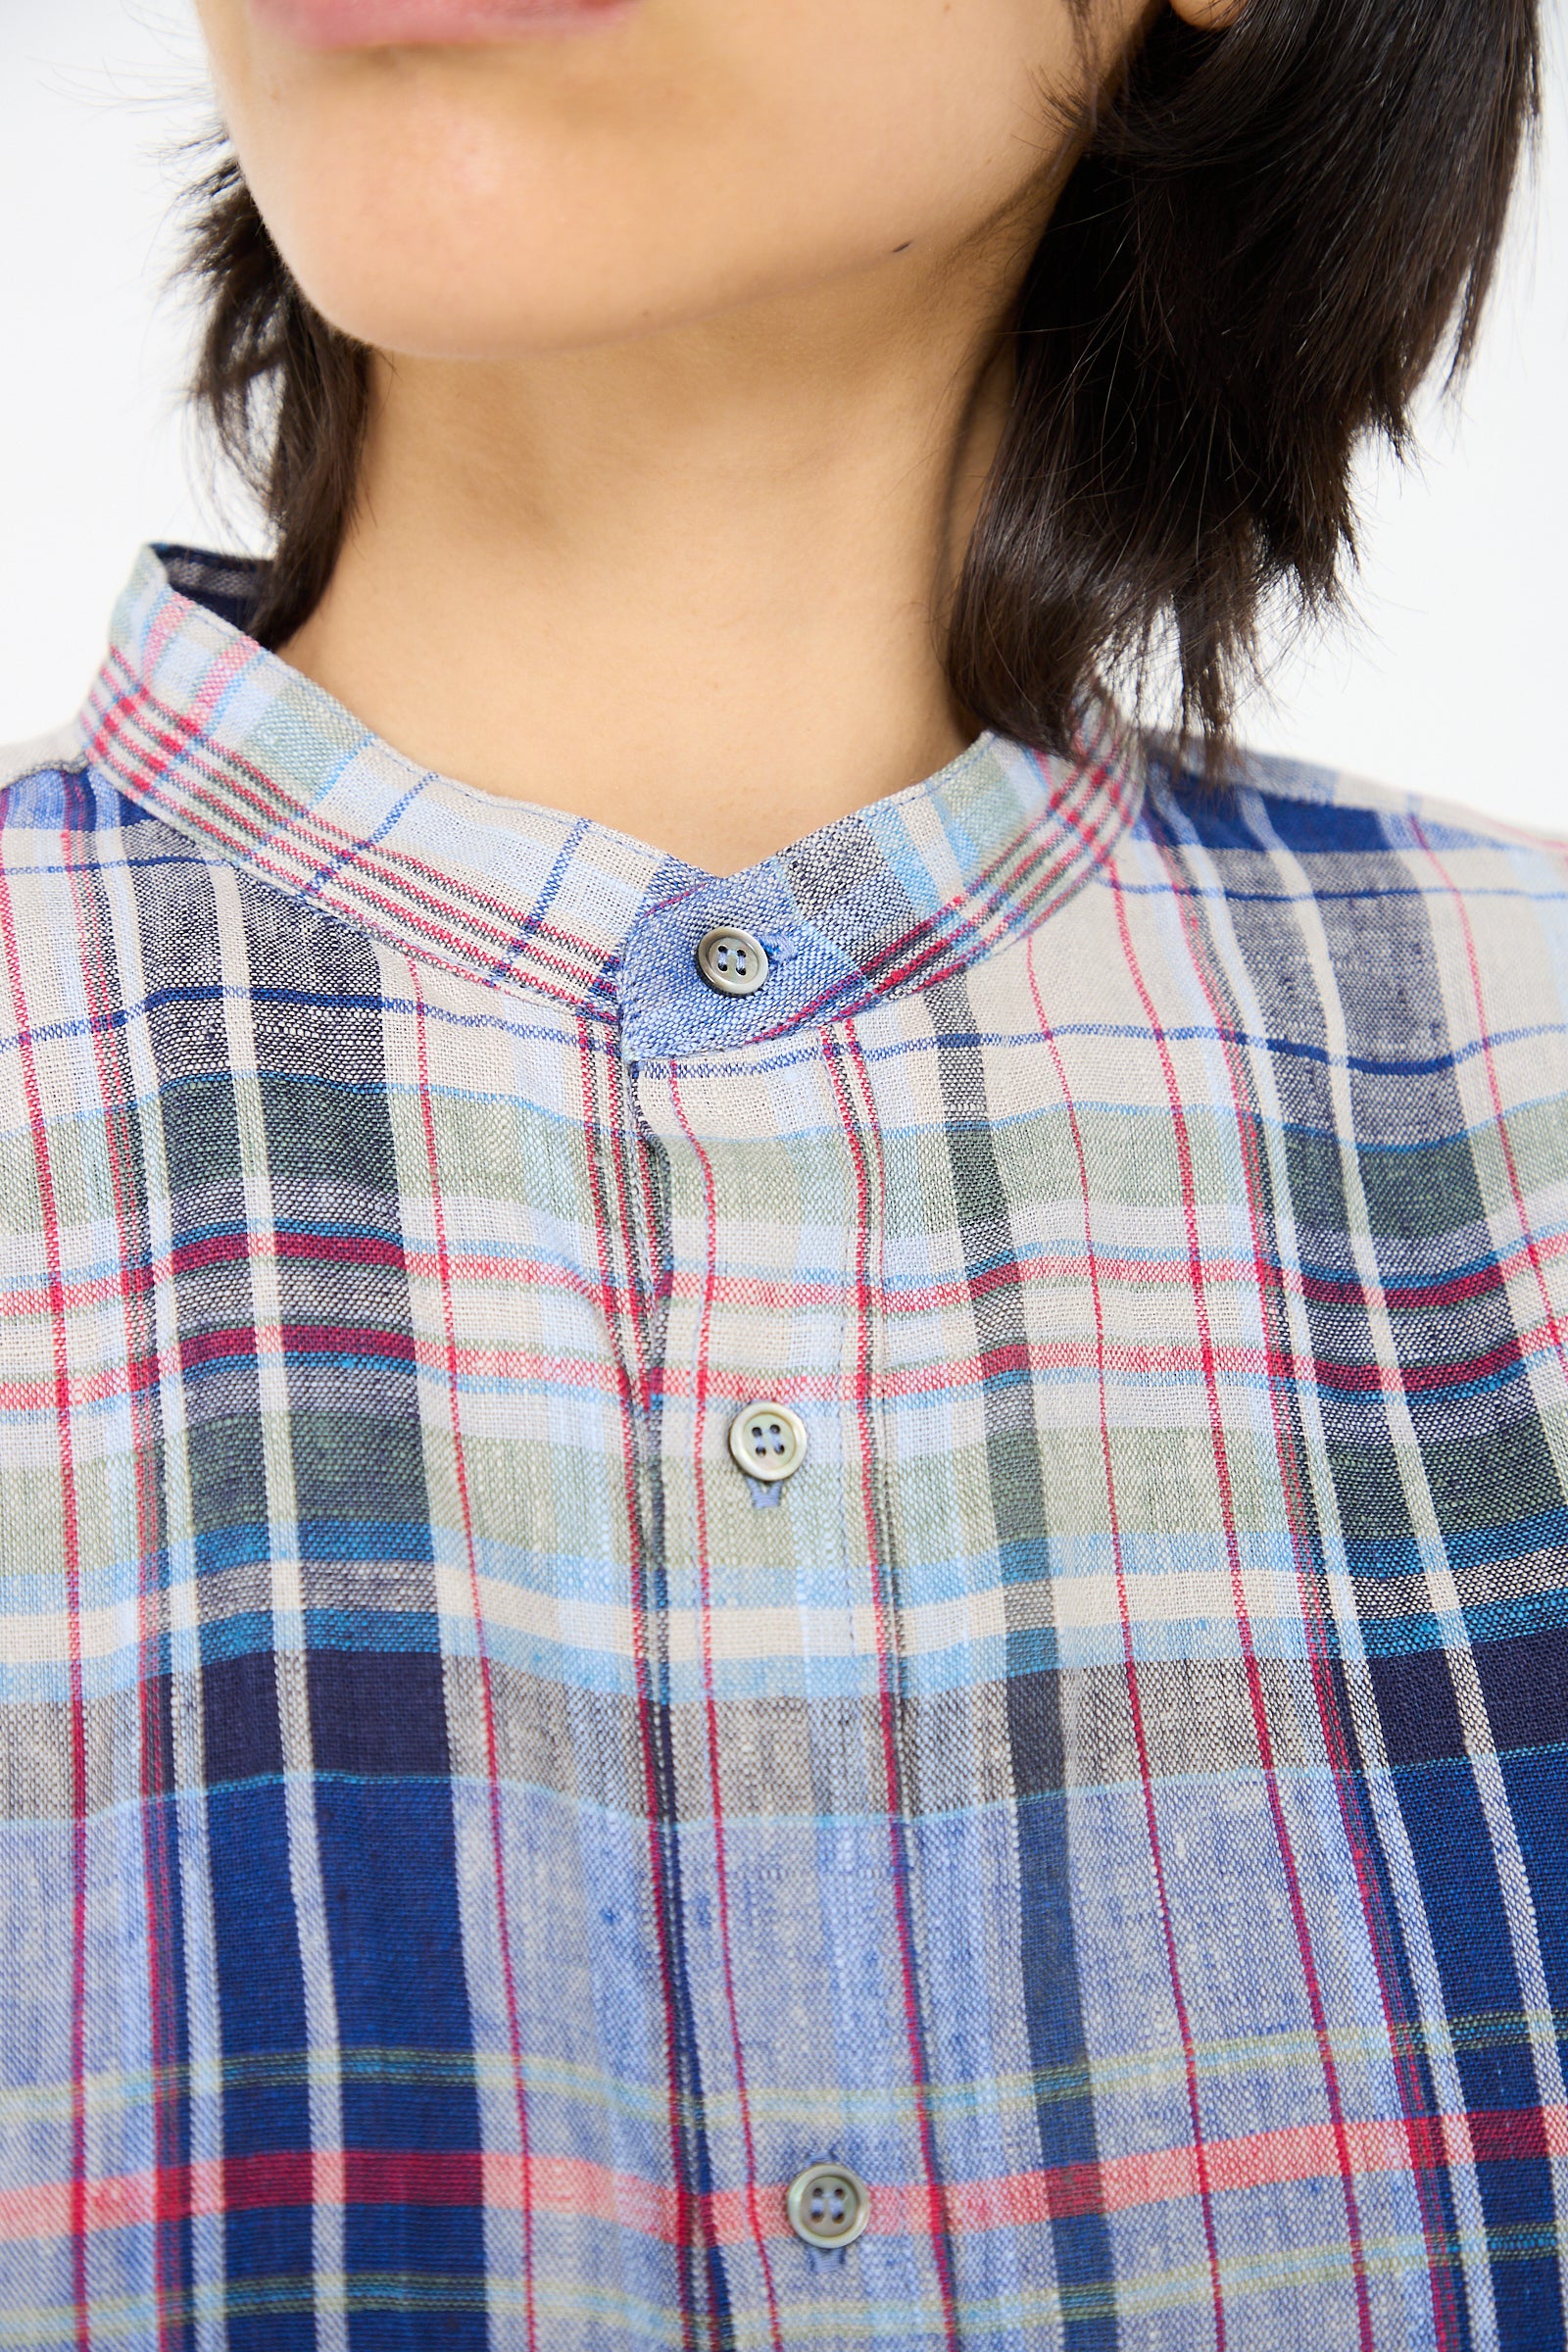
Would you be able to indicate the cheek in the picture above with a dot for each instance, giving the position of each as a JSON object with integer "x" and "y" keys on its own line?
{"x": 493, "y": 204}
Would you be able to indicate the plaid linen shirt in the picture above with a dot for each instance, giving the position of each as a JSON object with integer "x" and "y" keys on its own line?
{"x": 467, "y": 1845}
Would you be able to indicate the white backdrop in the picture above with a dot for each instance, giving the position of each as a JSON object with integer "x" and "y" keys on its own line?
{"x": 1452, "y": 682}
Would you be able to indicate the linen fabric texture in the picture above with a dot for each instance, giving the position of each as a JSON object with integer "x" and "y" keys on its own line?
{"x": 465, "y": 1848}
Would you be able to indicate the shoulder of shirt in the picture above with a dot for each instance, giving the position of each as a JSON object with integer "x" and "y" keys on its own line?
{"x": 61, "y": 752}
{"x": 1276, "y": 777}
{"x": 52, "y": 785}
{"x": 34, "y": 777}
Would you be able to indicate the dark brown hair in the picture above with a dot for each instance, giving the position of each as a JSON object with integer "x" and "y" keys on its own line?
{"x": 1271, "y": 236}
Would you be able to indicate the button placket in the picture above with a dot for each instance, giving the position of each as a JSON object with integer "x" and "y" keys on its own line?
{"x": 770, "y": 1569}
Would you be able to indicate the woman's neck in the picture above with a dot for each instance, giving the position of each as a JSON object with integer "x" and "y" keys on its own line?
{"x": 690, "y": 587}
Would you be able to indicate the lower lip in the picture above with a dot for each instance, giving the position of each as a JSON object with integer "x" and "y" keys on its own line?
{"x": 431, "y": 23}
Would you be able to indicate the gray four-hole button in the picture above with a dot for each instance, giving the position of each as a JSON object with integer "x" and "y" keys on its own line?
{"x": 732, "y": 962}
{"x": 767, "y": 1441}
{"x": 828, "y": 2205}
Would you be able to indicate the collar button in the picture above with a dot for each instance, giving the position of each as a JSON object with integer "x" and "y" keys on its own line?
{"x": 732, "y": 962}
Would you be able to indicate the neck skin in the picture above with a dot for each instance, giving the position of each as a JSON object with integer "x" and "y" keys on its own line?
{"x": 690, "y": 586}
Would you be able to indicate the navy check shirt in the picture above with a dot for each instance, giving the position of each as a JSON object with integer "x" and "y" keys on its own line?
{"x": 870, "y": 1665}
